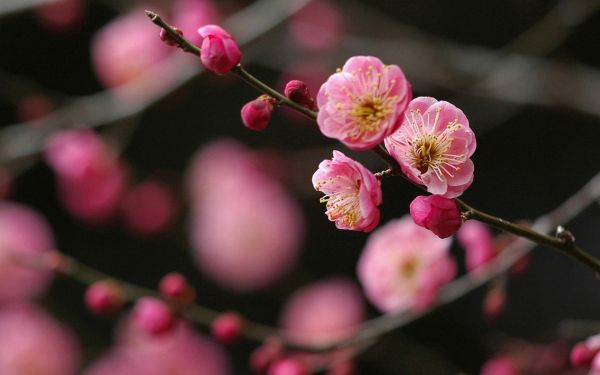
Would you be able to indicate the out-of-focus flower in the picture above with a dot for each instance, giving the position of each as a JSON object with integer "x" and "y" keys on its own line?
{"x": 128, "y": 49}
{"x": 436, "y": 213}
{"x": 297, "y": 91}
{"x": 288, "y": 366}
{"x": 176, "y": 287}
{"x": 91, "y": 180}
{"x": 61, "y": 15}
{"x": 319, "y": 25}
{"x": 363, "y": 103}
{"x": 584, "y": 353}
{"x": 403, "y": 266}
{"x": 153, "y": 315}
{"x": 104, "y": 297}
{"x": 257, "y": 113}
{"x": 524, "y": 358}
{"x": 23, "y": 233}
{"x": 352, "y": 193}
{"x": 494, "y": 302}
{"x": 251, "y": 236}
{"x": 219, "y": 51}
{"x": 148, "y": 208}
{"x": 227, "y": 327}
{"x": 182, "y": 351}
{"x": 188, "y": 15}
{"x": 322, "y": 312}
{"x": 500, "y": 366}
{"x": 434, "y": 145}
{"x": 34, "y": 343}
{"x": 478, "y": 243}
{"x": 265, "y": 355}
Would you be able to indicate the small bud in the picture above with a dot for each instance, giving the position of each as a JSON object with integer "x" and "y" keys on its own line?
{"x": 153, "y": 315}
{"x": 263, "y": 356}
{"x": 288, "y": 366}
{"x": 298, "y": 92}
{"x": 219, "y": 51}
{"x": 256, "y": 114}
{"x": 494, "y": 303}
{"x": 104, "y": 297}
{"x": 168, "y": 38}
{"x": 176, "y": 287}
{"x": 581, "y": 355}
{"x": 227, "y": 327}
{"x": 436, "y": 213}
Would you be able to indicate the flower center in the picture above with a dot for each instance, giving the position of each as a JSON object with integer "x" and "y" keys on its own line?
{"x": 426, "y": 151}
{"x": 409, "y": 268}
{"x": 342, "y": 202}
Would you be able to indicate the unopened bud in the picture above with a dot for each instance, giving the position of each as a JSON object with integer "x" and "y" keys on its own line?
{"x": 168, "y": 38}
{"x": 227, "y": 327}
{"x": 298, "y": 92}
{"x": 176, "y": 287}
{"x": 104, "y": 297}
{"x": 153, "y": 316}
{"x": 256, "y": 114}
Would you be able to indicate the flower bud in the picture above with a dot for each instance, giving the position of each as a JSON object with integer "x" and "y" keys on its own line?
{"x": 176, "y": 287}
{"x": 104, "y": 297}
{"x": 256, "y": 114}
{"x": 288, "y": 366}
{"x": 153, "y": 315}
{"x": 227, "y": 327}
{"x": 581, "y": 355}
{"x": 298, "y": 92}
{"x": 168, "y": 39}
{"x": 219, "y": 51}
{"x": 436, "y": 213}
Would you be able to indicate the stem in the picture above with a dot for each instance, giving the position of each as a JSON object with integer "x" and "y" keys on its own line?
{"x": 183, "y": 43}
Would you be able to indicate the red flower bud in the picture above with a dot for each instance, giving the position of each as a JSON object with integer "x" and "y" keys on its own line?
{"x": 256, "y": 114}
{"x": 298, "y": 92}
{"x": 436, "y": 213}
{"x": 219, "y": 51}
{"x": 227, "y": 328}
{"x": 104, "y": 298}
{"x": 153, "y": 315}
{"x": 176, "y": 287}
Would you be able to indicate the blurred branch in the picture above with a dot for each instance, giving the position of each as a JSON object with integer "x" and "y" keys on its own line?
{"x": 20, "y": 143}
{"x": 12, "y": 6}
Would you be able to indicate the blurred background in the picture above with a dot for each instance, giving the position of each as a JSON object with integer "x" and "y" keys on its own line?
{"x": 525, "y": 72}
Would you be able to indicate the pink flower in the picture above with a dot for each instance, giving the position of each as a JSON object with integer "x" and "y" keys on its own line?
{"x": 61, "y": 15}
{"x": 476, "y": 238}
{"x": 23, "y": 232}
{"x": 153, "y": 315}
{"x": 352, "y": 193}
{"x": 91, "y": 180}
{"x": 257, "y": 113}
{"x": 33, "y": 342}
{"x": 363, "y": 103}
{"x": 148, "y": 208}
{"x": 288, "y": 366}
{"x": 500, "y": 366}
{"x": 322, "y": 312}
{"x": 436, "y": 213}
{"x": 219, "y": 51}
{"x": 403, "y": 266}
{"x": 246, "y": 230}
{"x": 433, "y": 147}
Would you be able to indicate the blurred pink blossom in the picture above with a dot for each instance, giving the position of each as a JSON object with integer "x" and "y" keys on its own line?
{"x": 182, "y": 351}
{"x": 322, "y": 312}
{"x": 434, "y": 145}
{"x": 403, "y": 266}
{"x": 319, "y": 25}
{"x": 148, "y": 208}
{"x": 352, "y": 193}
{"x": 189, "y": 15}
{"x": 90, "y": 179}
{"x": 32, "y": 342}
{"x": 436, "y": 213}
{"x": 288, "y": 366}
{"x": 363, "y": 103}
{"x": 500, "y": 366}
{"x": 61, "y": 15}
{"x": 219, "y": 51}
{"x": 478, "y": 243}
{"x": 23, "y": 232}
{"x": 127, "y": 49}
{"x": 246, "y": 230}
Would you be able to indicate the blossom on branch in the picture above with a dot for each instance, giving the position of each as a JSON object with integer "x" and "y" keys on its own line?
{"x": 403, "y": 266}
{"x": 219, "y": 51}
{"x": 363, "y": 103}
{"x": 438, "y": 214}
{"x": 433, "y": 146}
{"x": 352, "y": 193}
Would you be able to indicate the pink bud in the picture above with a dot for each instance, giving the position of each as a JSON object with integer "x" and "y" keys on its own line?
{"x": 256, "y": 114}
{"x": 219, "y": 51}
{"x": 288, "y": 366}
{"x": 436, "y": 213}
{"x": 494, "y": 303}
{"x": 298, "y": 92}
{"x": 263, "y": 356}
{"x": 227, "y": 327}
{"x": 104, "y": 298}
{"x": 500, "y": 366}
{"x": 168, "y": 39}
{"x": 153, "y": 315}
{"x": 582, "y": 355}
{"x": 176, "y": 287}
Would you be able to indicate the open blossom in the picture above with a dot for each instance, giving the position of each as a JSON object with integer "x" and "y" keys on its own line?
{"x": 219, "y": 51}
{"x": 403, "y": 266}
{"x": 23, "y": 232}
{"x": 352, "y": 193}
{"x": 433, "y": 146}
{"x": 363, "y": 103}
